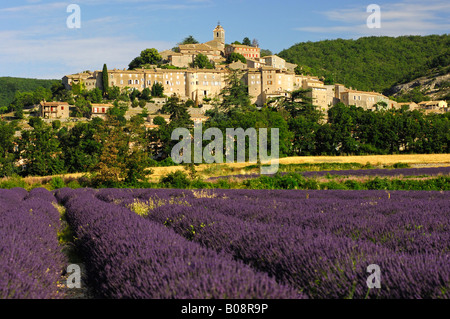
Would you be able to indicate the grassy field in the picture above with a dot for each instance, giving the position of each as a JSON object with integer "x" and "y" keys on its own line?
{"x": 414, "y": 159}
{"x": 216, "y": 170}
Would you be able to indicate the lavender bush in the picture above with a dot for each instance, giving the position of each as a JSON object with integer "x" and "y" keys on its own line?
{"x": 127, "y": 256}
{"x": 320, "y": 242}
{"x": 31, "y": 261}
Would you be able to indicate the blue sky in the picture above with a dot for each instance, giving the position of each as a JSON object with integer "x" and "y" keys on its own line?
{"x": 35, "y": 41}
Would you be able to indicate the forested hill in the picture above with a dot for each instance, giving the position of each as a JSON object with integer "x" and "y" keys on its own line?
{"x": 371, "y": 63}
{"x": 9, "y": 86}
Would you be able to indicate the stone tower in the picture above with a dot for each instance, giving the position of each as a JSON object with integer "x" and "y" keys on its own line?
{"x": 219, "y": 34}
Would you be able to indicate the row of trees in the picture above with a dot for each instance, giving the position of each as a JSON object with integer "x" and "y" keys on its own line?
{"x": 112, "y": 150}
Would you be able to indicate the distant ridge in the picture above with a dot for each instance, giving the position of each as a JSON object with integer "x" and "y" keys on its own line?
{"x": 371, "y": 63}
{"x": 10, "y": 85}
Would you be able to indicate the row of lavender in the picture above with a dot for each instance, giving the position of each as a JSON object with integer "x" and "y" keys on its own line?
{"x": 127, "y": 256}
{"x": 319, "y": 242}
{"x": 426, "y": 171}
{"x": 31, "y": 261}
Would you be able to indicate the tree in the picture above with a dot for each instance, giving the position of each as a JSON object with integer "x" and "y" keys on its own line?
{"x": 233, "y": 57}
{"x": 201, "y": 61}
{"x": 150, "y": 56}
{"x": 83, "y": 108}
{"x": 79, "y": 148}
{"x": 41, "y": 151}
{"x": 105, "y": 80}
{"x": 110, "y": 169}
{"x": 157, "y": 89}
{"x": 144, "y": 114}
{"x": 160, "y": 139}
{"x": 189, "y": 40}
{"x": 60, "y": 93}
{"x": 78, "y": 88}
{"x": 113, "y": 93}
{"x": 146, "y": 94}
{"x": 134, "y": 94}
{"x": 159, "y": 120}
{"x": 255, "y": 43}
{"x": 343, "y": 125}
{"x": 265, "y": 52}
{"x": 117, "y": 113}
{"x": 41, "y": 94}
{"x": 135, "y": 63}
{"x": 7, "y": 155}
{"x": 298, "y": 102}
{"x": 94, "y": 96}
{"x": 235, "y": 93}
{"x": 179, "y": 116}
{"x": 303, "y": 119}
{"x": 246, "y": 41}
{"x": 147, "y": 57}
{"x": 189, "y": 103}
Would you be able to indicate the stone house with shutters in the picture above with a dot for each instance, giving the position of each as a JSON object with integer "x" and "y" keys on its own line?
{"x": 100, "y": 110}
{"x": 54, "y": 110}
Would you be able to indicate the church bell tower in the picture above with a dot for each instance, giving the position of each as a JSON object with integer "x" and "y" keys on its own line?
{"x": 219, "y": 34}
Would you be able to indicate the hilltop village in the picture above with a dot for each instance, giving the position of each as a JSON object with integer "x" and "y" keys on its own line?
{"x": 266, "y": 77}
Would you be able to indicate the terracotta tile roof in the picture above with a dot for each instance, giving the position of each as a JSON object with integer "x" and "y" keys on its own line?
{"x": 53, "y": 103}
{"x": 243, "y": 46}
{"x": 102, "y": 105}
{"x": 198, "y": 47}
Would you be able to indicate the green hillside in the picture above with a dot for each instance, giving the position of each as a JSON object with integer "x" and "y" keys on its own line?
{"x": 9, "y": 86}
{"x": 371, "y": 63}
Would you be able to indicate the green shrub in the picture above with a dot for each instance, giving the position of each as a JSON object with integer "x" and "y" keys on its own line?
{"x": 333, "y": 185}
{"x": 167, "y": 162}
{"x": 57, "y": 182}
{"x": 352, "y": 184}
{"x": 177, "y": 179}
{"x": 74, "y": 184}
{"x": 12, "y": 182}
{"x": 401, "y": 165}
{"x": 378, "y": 184}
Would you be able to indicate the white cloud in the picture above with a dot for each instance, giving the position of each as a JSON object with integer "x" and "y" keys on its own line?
{"x": 35, "y": 7}
{"x": 409, "y": 17}
{"x": 70, "y": 55}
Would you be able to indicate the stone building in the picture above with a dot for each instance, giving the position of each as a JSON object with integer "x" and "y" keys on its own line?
{"x": 433, "y": 105}
{"x": 214, "y": 50}
{"x": 247, "y": 51}
{"x": 100, "y": 110}
{"x": 54, "y": 110}
{"x": 266, "y": 77}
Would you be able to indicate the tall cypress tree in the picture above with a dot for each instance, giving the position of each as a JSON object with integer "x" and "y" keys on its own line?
{"x": 105, "y": 80}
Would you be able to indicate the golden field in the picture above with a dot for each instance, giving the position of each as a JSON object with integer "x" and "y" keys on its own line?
{"x": 213, "y": 170}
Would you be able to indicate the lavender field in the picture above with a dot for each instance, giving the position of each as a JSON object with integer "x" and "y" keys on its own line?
{"x": 238, "y": 244}
{"x": 375, "y": 172}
